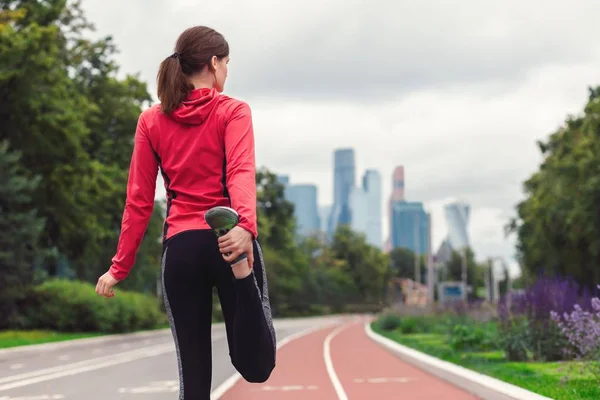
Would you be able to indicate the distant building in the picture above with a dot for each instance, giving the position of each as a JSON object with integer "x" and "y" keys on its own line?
{"x": 457, "y": 218}
{"x": 324, "y": 212}
{"x": 365, "y": 205}
{"x": 306, "y": 211}
{"x": 397, "y": 196}
{"x": 410, "y": 227}
{"x": 283, "y": 179}
{"x": 304, "y": 199}
{"x": 344, "y": 178}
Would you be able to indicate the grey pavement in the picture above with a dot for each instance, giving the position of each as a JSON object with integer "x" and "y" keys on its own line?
{"x": 142, "y": 366}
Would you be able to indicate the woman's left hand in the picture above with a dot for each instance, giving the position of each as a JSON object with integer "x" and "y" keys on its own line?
{"x": 105, "y": 284}
{"x": 237, "y": 241}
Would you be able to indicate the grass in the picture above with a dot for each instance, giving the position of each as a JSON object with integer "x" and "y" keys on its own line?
{"x": 541, "y": 378}
{"x": 24, "y": 338}
{"x": 15, "y": 338}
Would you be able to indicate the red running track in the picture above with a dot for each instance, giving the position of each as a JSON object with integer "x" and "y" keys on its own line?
{"x": 342, "y": 363}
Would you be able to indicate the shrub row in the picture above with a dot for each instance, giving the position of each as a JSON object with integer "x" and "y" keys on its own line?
{"x": 74, "y": 306}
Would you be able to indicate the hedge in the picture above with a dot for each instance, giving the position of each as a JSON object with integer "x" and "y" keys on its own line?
{"x": 74, "y": 306}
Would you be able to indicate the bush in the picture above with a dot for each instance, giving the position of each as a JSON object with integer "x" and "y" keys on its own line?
{"x": 515, "y": 339}
{"x": 476, "y": 337}
{"x": 527, "y": 327}
{"x": 389, "y": 322}
{"x": 582, "y": 329}
{"x": 74, "y": 306}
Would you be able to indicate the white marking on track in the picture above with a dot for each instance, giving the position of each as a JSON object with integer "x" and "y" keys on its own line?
{"x": 17, "y": 366}
{"x": 153, "y": 387}
{"x": 64, "y": 357}
{"x": 46, "y": 374}
{"x": 40, "y": 397}
{"x": 337, "y": 385}
{"x": 232, "y": 380}
{"x": 384, "y": 380}
{"x": 287, "y": 388}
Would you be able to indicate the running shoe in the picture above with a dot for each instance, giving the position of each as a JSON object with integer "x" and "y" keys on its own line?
{"x": 221, "y": 220}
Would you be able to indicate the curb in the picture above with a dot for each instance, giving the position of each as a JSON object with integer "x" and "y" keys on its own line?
{"x": 483, "y": 386}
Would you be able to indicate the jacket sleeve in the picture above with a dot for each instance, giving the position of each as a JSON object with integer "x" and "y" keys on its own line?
{"x": 241, "y": 166}
{"x": 139, "y": 204}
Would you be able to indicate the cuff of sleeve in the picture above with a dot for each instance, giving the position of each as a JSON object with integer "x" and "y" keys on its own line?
{"x": 117, "y": 273}
{"x": 250, "y": 228}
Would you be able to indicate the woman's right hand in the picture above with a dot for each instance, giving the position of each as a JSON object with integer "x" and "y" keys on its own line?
{"x": 236, "y": 242}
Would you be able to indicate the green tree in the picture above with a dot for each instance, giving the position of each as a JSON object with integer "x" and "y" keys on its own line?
{"x": 64, "y": 109}
{"x": 20, "y": 228}
{"x": 276, "y": 220}
{"x": 558, "y": 223}
{"x": 403, "y": 264}
{"x": 475, "y": 273}
{"x": 366, "y": 265}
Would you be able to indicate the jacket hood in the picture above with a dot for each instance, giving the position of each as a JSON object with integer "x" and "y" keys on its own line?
{"x": 197, "y": 106}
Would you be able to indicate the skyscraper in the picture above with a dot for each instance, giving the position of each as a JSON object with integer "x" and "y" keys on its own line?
{"x": 365, "y": 204}
{"x": 410, "y": 227}
{"x": 397, "y": 196}
{"x": 343, "y": 182}
{"x": 306, "y": 210}
{"x": 457, "y": 218}
{"x": 398, "y": 184}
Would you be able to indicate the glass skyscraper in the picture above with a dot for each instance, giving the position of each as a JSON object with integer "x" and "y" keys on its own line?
{"x": 365, "y": 205}
{"x": 410, "y": 226}
{"x": 344, "y": 178}
{"x": 457, "y": 218}
{"x": 306, "y": 210}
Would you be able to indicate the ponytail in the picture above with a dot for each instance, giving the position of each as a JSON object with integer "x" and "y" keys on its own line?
{"x": 173, "y": 85}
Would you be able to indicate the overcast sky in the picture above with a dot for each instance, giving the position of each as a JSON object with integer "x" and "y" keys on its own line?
{"x": 457, "y": 92}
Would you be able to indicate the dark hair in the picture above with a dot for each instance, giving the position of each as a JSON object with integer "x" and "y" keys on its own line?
{"x": 194, "y": 50}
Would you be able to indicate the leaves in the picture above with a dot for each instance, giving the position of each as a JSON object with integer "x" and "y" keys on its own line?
{"x": 558, "y": 224}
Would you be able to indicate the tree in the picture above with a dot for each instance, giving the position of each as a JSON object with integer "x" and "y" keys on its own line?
{"x": 20, "y": 228}
{"x": 73, "y": 121}
{"x": 454, "y": 267}
{"x": 366, "y": 265}
{"x": 558, "y": 223}
{"x": 403, "y": 264}
{"x": 275, "y": 214}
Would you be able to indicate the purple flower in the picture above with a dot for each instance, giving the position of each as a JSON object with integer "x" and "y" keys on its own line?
{"x": 582, "y": 329}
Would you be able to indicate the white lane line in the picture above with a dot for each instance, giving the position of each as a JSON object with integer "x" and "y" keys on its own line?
{"x": 70, "y": 369}
{"x": 232, "y": 380}
{"x": 17, "y": 366}
{"x": 337, "y": 385}
{"x": 77, "y": 364}
{"x": 41, "y": 375}
{"x": 40, "y": 397}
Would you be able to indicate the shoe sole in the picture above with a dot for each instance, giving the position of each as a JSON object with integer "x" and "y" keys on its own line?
{"x": 221, "y": 219}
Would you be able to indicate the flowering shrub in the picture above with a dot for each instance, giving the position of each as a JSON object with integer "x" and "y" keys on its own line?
{"x": 582, "y": 329}
{"x": 529, "y": 332}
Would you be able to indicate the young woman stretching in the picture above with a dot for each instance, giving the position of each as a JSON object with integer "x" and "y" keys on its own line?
{"x": 203, "y": 144}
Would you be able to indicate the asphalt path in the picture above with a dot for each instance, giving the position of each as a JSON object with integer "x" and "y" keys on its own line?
{"x": 138, "y": 366}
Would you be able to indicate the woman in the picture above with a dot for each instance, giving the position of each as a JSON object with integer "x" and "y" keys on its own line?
{"x": 203, "y": 143}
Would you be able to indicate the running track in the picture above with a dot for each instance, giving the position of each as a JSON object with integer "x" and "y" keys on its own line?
{"x": 340, "y": 362}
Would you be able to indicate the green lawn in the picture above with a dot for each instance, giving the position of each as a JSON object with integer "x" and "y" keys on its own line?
{"x": 541, "y": 378}
{"x": 23, "y": 338}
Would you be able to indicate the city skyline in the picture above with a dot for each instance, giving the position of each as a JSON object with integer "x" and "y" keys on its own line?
{"x": 497, "y": 85}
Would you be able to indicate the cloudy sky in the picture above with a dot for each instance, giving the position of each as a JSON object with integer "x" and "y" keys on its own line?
{"x": 457, "y": 92}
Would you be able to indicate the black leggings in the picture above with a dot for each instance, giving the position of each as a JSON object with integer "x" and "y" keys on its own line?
{"x": 191, "y": 266}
